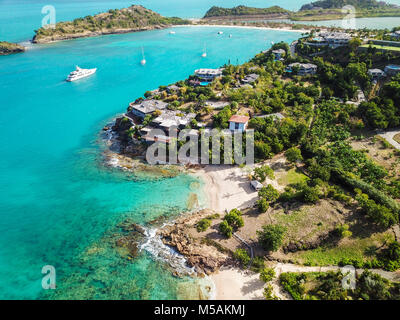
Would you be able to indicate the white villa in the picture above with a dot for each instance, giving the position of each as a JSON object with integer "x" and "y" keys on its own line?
{"x": 208, "y": 74}
{"x": 238, "y": 123}
{"x": 376, "y": 73}
{"x": 146, "y": 107}
{"x": 169, "y": 119}
{"x": 279, "y": 53}
{"x": 335, "y": 39}
{"x": 304, "y": 68}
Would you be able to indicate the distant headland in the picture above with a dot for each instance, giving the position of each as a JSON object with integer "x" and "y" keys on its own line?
{"x": 132, "y": 19}
{"x": 7, "y": 48}
{"x": 315, "y": 11}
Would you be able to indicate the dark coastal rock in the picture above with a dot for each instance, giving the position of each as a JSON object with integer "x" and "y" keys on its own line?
{"x": 130, "y": 244}
{"x": 122, "y": 124}
{"x": 203, "y": 258}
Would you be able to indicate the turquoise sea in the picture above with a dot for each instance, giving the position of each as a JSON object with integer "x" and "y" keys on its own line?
{"x": 18, "y": 18}
{"x": 59, "y": 205}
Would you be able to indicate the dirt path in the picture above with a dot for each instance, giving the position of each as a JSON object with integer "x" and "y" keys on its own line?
{"x": 389, "y": 137}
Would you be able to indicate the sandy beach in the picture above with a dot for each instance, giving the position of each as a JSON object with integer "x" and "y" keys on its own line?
{"x": 234, "y": 284}
{"x": 245, "y": 27}
{"x": 228, "y": 187}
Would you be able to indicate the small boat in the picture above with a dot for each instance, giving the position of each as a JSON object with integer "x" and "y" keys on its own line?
{"x": 204, "y": 55}
{"x": 143, "y": 61}
{"x": 80, "y": 73}
{"x": 220, "y": 32}
{"x": 230, "y": 36}
{"x": 272, "y": 42}
{"x": 172, "y": 32}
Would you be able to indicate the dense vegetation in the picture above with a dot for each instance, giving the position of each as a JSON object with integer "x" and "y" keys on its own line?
{"x": 134, "y": 18}
{"x": 319, "y": 10}
{"x": 243, "y": 11}
{"x": 337, "y": 4}
{"x": 328, "y": 286}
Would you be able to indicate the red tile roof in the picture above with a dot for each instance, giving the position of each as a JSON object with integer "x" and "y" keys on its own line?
{"x": 239, "y": 119}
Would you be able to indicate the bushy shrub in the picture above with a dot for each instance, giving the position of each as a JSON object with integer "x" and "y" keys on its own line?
{"x": 203, "y": 225}
{"x": 261, "y": 173}
{"x": 225, "y": 229}
{"x": 271, "y": 237}
{"x": 293, "y": 283}
{"x": 258, "y": 264}
{"x": 242, "y": 256}
{"x": 267, "y": 274}
{"x": 262, "y": 205}
{"x": 234, "y": 219}
{"x": 342, "y": 230}
{"x": 293, "y": 155}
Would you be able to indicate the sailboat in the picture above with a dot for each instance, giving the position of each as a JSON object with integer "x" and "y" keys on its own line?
{"x": 204, "y": 52}
{"x": 143, "y": 61}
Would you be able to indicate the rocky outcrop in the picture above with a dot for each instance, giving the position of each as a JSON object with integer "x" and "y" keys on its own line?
{"x": 203, "y": 258}
{"x": 7, "y": 48}
{"x": 133, "y": 235}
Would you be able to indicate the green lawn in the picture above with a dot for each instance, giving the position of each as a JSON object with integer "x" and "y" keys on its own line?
{"x": 353, "y": 248}
{"x": 292, "y": 176}
{"x": 387, "y": 48}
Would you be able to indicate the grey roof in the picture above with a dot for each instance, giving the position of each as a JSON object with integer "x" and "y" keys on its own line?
{"x": 303, "y": 65}
{"x": 169, "y": 118}
{"x": 173, "y": 87}
{"x": 149, "y": 106}
{"x": 279, "y": 51}
{"x": 250, "y": 78}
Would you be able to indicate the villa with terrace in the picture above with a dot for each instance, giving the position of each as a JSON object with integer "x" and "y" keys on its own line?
{"x": 146, "y": 107}
{"x": 279, "y": 54}
{"x": 376, "y": 73}
{"x": 250, "y": 78}
{"x": 208, "y": 74}
{"x": 170, "y": 118}
{"x": 334, "y": 39}
{"x": 302, "y": 68}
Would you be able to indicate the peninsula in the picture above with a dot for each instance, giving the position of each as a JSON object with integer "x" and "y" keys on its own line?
{"x": 315, "y": 11}
{"x": 132, "y": 19}
{"x": 325, "y": 189}
{"x": 7, "y": 48}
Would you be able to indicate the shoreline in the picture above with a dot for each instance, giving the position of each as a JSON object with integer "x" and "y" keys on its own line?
{"x": 243, "y": 27}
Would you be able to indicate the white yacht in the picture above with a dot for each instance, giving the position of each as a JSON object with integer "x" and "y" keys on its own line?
{"x": 220, "y": 32}
{"x": 80, "y": 73}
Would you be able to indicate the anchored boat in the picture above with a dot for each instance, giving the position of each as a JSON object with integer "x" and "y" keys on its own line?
{"x": 80, "y": 73}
